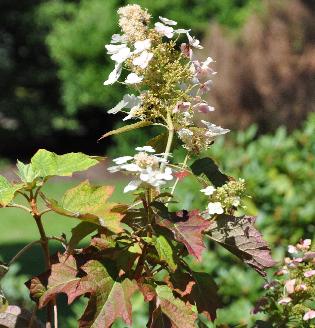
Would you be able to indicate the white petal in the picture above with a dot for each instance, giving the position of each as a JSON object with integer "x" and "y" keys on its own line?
{"x": 208, "y": 191}
{"x": 122, "y": 159}
{"x": 167, "y": 21}
{"x": 164, "y": 30}
{"x": 132, "y": 113}
{"x": 148, "y": 149}
{"x": 114, "y": 75}
{"x": 131, "y": 167}
{"x": 132, "y": 185}
{"x": 116, "y": 38}
{"x": 133, "y": 78}
{"x": 214, "y": 130}
{"x": 121, "y": 55}
{"x": 143, "y": 60}
{"x": 131, "y": 100}
{"x": 215, "y": 208}
{"x": 194, "y": 42}
{"x": 122, "y": 104}
{"x": 114, "y": 48}
{"x": 113, "y": 169}
{"x": 142, "y": 45}
{"x": 181, "y": 31}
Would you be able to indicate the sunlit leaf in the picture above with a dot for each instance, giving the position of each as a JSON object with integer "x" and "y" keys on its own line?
{"x": 240, "y": 237}
{"x": 7, "y": 191}
{"x": 179, "y": 313}
{"x": 26, "y": 172}
{"x": 110, "y": 296}
{"x": 46, "y": 163}
{"x": 89, "y": 203}
{"x": 165, "y": 251}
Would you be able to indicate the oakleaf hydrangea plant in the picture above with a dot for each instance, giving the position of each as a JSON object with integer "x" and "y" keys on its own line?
{"x": 143, "y": 247}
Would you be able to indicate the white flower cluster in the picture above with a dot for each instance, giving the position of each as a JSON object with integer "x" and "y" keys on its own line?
{"x": 213, "y": 207}
{"x": 145, "y": 166}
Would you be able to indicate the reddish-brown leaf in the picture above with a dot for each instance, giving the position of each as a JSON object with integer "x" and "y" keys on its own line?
{"x": 109, "y": 295}
{"x": 61, "y": 279}
{"x": 188, "y": 230}
{"x": 240, "y": 237}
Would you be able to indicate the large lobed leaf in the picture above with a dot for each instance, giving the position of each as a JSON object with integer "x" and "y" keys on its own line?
{"x": 62, "y": 278}
{"x": 165, "y": 251}
{"x": 7, "y": 191}
{"x": 89, "y": 203}
{"x": 188, "y": 229}
{"x": 45, "y": 163}
{"x": 240, "y": 237}
{"x": 198, "y": 288}
{"x": 109, "y": 296}
{"x": 171, "y": 312}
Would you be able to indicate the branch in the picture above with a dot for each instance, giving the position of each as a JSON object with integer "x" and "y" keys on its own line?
{"x": 20, "y": 206}
{"x": 23, "y": 250}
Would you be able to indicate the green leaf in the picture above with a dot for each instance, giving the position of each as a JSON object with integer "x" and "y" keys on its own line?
{"x": 110, "y": 296}
{"x": 165, "y": 251}
{"x": 209, "y": 168}
{"x": 26, "y": 172}
{"x": 179, "y": 312}
{"x": 46, "y": 164}
{"x": 7, "y": 191}
{"x": 89, "y": 203}
{"x": 241, "y": 238}
{"x": 79, "y": 232}
{"x": 126, "y": 128}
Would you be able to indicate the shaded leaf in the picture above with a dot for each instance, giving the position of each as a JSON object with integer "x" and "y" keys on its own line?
{"x": 109, "y": 296}
{"x": 160, "y": 320}
{"x": 45, "y": 163}
{"x": 16, "y": 317}
{"x": 240, "y": 237}
{"x": 61, "y": 279}
{"x": 165, "y": 251}
{"x": 179, "y": 313}
{"x": 79, "y": 232}
{"x": 198, "y": 288}
{"x": 89, "y": 203}
{"x": 187, "y": 229}
{"x": 126, "y": 128}
{"x": 7, "y": 191}
{"x": 209, "y": 168}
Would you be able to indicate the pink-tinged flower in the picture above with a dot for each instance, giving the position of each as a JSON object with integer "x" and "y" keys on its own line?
{"x": 205, "y": 87}
{"x": 309, "y": 273}
{"x": 309, "y": 256}
{"x": 309, "y": 315}
{"x": 167, "y": 21}
{"x": 285, "y": 300}
{"x": 301, "y": 287}
{"x": 203, "y": 71}
{"x": 204, "y": 108}
{"x": 195, "y": 43}
{"x": 298, "y": 260}
{"x": 289, "y": 285}
{"x": 182, "y": 107}
{"x": 186, "y": 50}
{"x": 271, "y": 285}
{"x": 292, "y": 249}
{"x": 164, "y": 30}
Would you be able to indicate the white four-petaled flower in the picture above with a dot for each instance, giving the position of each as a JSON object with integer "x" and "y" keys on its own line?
{"x": 208, "y": 191}
{"x": 215, "y": 208}
{"x": 133, "y": 78}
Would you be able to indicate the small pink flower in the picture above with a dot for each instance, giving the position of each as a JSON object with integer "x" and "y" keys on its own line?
{"x": 182, "y": 107}
{"x": 289, "y": 286}
{"x": 309, "y": 273}
{"x": 186, "y": 50}
{"x": 285, "y": 300}
{"x": 300, "y": 287}
{"x": 309, "y": 315}
{"x": 205, "y": 87}
{"x": 204, "y": 108}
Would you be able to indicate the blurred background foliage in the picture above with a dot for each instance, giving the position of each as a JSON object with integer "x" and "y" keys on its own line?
{"x": 53, "y": 64}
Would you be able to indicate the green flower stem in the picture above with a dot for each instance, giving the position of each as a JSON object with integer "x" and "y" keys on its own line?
{"x": 169, "y": 139}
